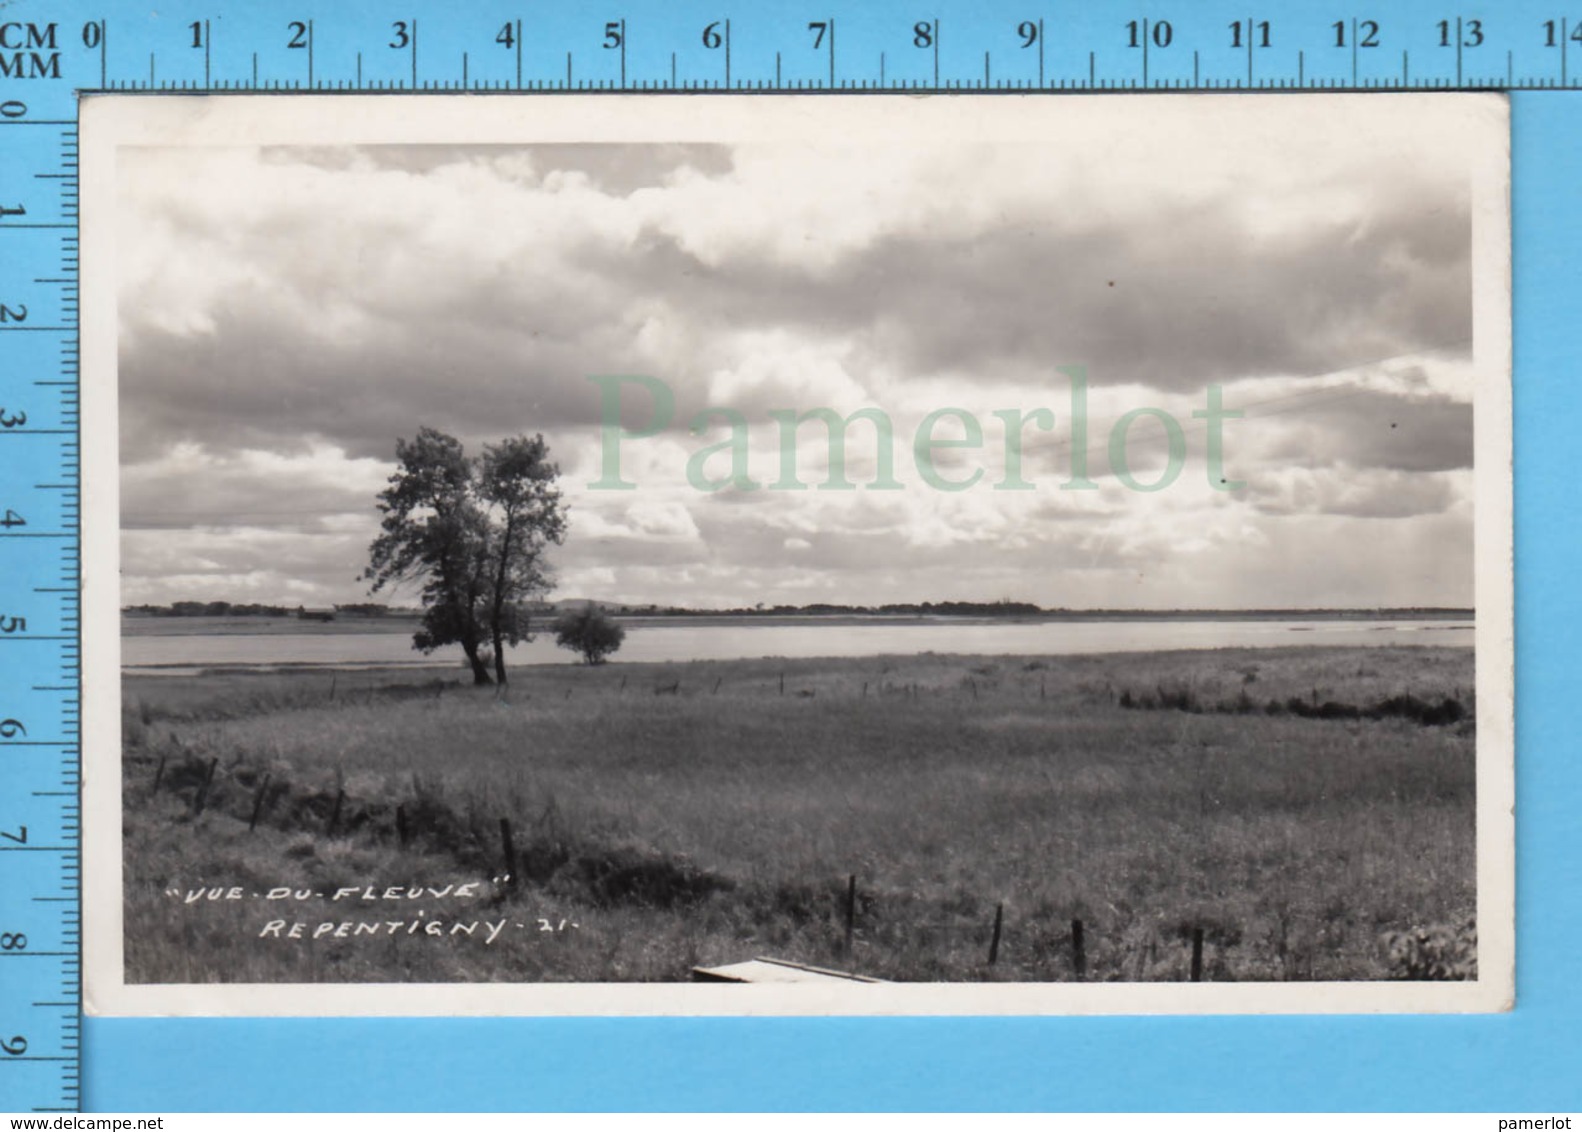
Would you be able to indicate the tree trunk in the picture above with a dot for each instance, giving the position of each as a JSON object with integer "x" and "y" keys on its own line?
{"x": 497, "y": 611}
{"x": 480, "y": 670}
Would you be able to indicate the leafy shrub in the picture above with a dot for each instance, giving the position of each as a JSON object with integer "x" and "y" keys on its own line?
{"x": 1437, "y": 952}
{"x": 589, "y": 631}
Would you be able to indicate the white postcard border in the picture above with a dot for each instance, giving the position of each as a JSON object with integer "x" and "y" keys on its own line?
{"x": 111, "y": 121}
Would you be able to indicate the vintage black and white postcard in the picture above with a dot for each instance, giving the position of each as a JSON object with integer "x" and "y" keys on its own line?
{"x": 746, "y": 555}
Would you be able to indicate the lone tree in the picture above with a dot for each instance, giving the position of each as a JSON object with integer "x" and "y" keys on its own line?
{"x": 474, "y": 532}
{"x": 589, "y": 631}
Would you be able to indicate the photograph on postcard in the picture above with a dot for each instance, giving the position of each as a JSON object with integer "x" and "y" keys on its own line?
{"x": 847, "y": 555}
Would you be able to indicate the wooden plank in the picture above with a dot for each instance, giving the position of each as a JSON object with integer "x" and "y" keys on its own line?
{"x": 766, "y": 970}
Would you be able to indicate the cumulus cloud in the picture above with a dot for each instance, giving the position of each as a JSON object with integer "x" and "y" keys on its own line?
{"x": 286, "y": 313}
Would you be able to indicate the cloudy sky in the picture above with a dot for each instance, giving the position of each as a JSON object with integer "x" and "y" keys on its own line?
{"x": 287, "y": 312}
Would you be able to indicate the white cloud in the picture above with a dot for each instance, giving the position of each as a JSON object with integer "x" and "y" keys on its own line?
{"x": 287, "y": 314}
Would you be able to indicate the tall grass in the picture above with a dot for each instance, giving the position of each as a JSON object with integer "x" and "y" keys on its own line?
{"x": 707, "y": 826}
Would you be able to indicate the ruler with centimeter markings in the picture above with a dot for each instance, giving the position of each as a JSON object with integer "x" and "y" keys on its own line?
{"x": 40, "y": 921}
{"x": 48, "y": 55}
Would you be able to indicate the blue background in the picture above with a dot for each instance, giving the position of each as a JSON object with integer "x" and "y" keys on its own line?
{"x": 1529, "y": 1059}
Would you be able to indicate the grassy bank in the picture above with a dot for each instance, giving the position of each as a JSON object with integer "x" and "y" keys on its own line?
{"x": 1147, "y": 795}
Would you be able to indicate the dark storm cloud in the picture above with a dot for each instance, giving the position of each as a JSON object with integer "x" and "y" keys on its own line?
{"x": 1363, "y": 428}
{"x": 1191, "y": 297}
{"x": 262, "y": 383}
{"x": 277, "y": 494}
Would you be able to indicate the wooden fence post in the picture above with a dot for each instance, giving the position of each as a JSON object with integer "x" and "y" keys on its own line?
{"x": 159, "y": 773}
{"x": 782, "y": 683}
{"x": 865, "y": 689}
{"x": 401, "y": 830}
{"x": 333, "y": 678}
{"x": 335, "y": 814}
{"x": 851, "y": 911}
{"x": 1079, "y": 951}
{"x": 1197, "y": 955}
{"x": 994, "y": 942}
{"x": 203, "y": 789}
{"x": 508, "y": 851}
{"x": 718, "y": 680}
{"x": 258, "y": 803}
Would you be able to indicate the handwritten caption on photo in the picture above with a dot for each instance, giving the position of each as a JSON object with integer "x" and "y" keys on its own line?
{"x": 370, "y": 896}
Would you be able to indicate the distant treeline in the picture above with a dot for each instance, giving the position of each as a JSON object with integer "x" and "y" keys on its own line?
{"x": 1006, "y": 608}
{"x": 825, "y": 609}
{"x": 914, "y": 609}
{"x": 240, "y": 609}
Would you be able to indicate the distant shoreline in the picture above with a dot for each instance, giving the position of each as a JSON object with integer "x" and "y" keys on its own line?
{"x": 133, "y": 625}
{"x": 153, "y": 625}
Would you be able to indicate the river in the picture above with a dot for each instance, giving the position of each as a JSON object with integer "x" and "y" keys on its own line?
{"x": 661, "y": 640}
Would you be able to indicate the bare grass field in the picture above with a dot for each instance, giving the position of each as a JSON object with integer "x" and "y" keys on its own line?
{"x": 665, "y": 816}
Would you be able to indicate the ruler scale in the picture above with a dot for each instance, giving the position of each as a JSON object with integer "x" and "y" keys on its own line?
{"x": 40, "y": 920}
{"x": 1028, "y": 47}
{"x": 47, "y": 58}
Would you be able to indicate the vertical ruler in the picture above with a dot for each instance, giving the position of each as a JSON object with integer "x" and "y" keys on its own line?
{"x": 40, "y": 756}
{"x": 273, "y": 47}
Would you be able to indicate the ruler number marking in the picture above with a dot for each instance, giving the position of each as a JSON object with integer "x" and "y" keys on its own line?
{"x": 823, "y": 37}
{"x": 1139, "y": 33}
{"x": 1566, "y": 35}
{"x": 1365, "y": 33}
{"x": 713, "y": 40}
{"x": 1469, "y": 34}
{"x": 1556, "y": 33}
{"x": 1257, "y": 34}
{"x": 94, "y": 39}
{"x": 20, "y": 837}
